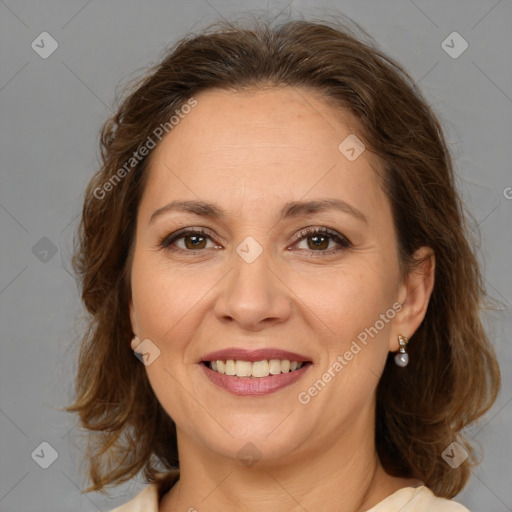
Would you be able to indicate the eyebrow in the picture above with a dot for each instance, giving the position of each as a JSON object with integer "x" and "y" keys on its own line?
{"x": 289, "y": 210}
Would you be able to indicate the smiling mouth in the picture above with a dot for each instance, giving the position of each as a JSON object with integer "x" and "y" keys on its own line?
{"x": 254, "y": 369}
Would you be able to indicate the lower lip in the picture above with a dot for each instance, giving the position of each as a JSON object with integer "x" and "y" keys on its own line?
{"x": 246, "y": 386}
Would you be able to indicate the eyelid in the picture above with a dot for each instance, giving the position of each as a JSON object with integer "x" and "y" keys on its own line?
{"x": 167, "y": 240}
{"x": 298, "y": 236}
{"x": 339, "y": 238}
{"x": 313, "y": 230}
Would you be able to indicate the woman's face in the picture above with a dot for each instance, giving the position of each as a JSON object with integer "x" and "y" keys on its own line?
{"x": 261, "y": 172}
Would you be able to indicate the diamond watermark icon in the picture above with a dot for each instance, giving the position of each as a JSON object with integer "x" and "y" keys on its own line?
{"x": 249, "y": 249}
{"x": 352, "y": 147}
{"x": 454, "y": 45}
{"x": 44, "y": 250}
{"x": 249, "y": 454}
{"x": 454, "y": 455}
{"x": 146, "y": 352}
{"x": 44, "y": 45}
{"x": 45, "y": 455}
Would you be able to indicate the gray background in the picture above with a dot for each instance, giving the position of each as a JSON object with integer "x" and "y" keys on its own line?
{"x": 51, "y": 111}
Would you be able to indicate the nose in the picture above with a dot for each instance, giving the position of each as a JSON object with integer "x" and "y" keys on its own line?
{"x": 253, "y": 295}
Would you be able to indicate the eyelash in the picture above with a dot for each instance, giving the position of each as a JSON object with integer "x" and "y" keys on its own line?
{"x": 303, "y": 234}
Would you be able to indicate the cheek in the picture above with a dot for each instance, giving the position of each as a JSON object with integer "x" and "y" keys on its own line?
{"x": 165, "y": 303}
{"x": 347, "y": 300}
{"x": 355, "y": 345}
{"x": 162, "y": 298}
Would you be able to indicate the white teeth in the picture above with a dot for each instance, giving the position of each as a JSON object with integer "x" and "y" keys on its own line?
{"x": 230, "y": 367}
{"x": 260, "y": 369}
{"x": 243, "y": 368}
{"x": 274, "y": 366}
{"x": 257, "y": 369}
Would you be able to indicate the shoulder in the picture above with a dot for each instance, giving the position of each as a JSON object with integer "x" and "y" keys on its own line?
{"x": 417, "y": 499}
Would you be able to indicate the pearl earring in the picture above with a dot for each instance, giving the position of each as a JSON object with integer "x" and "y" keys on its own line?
{"x": 402, "y": 358}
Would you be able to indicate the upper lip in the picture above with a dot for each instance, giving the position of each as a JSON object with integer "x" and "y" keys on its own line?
{"x": 242, "y": 354}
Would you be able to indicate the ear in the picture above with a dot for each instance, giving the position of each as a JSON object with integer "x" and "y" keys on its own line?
{"x": 414, "y": 295}
{"x": 133, "y": 321}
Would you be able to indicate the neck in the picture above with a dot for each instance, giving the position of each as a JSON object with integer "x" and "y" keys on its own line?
{"x": 336, "y": 475}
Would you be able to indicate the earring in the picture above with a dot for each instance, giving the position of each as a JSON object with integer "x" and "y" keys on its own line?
{"x": 402, "y": 358}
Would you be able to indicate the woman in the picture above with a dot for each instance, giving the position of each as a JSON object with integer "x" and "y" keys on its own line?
{"x": 276, "y": 235}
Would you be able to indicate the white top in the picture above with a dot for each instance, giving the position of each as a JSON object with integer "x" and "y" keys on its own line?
{"x": 408, "y": 499}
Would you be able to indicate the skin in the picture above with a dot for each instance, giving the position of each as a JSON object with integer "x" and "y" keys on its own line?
{"x": 249, "y": 153}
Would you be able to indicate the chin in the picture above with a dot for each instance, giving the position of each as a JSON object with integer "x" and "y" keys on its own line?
{"x": 255, "y": 445}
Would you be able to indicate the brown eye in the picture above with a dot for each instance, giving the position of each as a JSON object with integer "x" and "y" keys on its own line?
{"x": 319, "y": 239}
{"x": 318, "y": 242}
{"x": 193, "y": 240}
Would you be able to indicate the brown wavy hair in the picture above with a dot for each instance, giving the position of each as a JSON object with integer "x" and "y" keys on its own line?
{"x": 453, "y": 377}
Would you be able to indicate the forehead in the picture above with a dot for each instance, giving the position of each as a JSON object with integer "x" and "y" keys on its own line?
{"x": 270, "y": 119}
{"x": 261, "y": 146}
